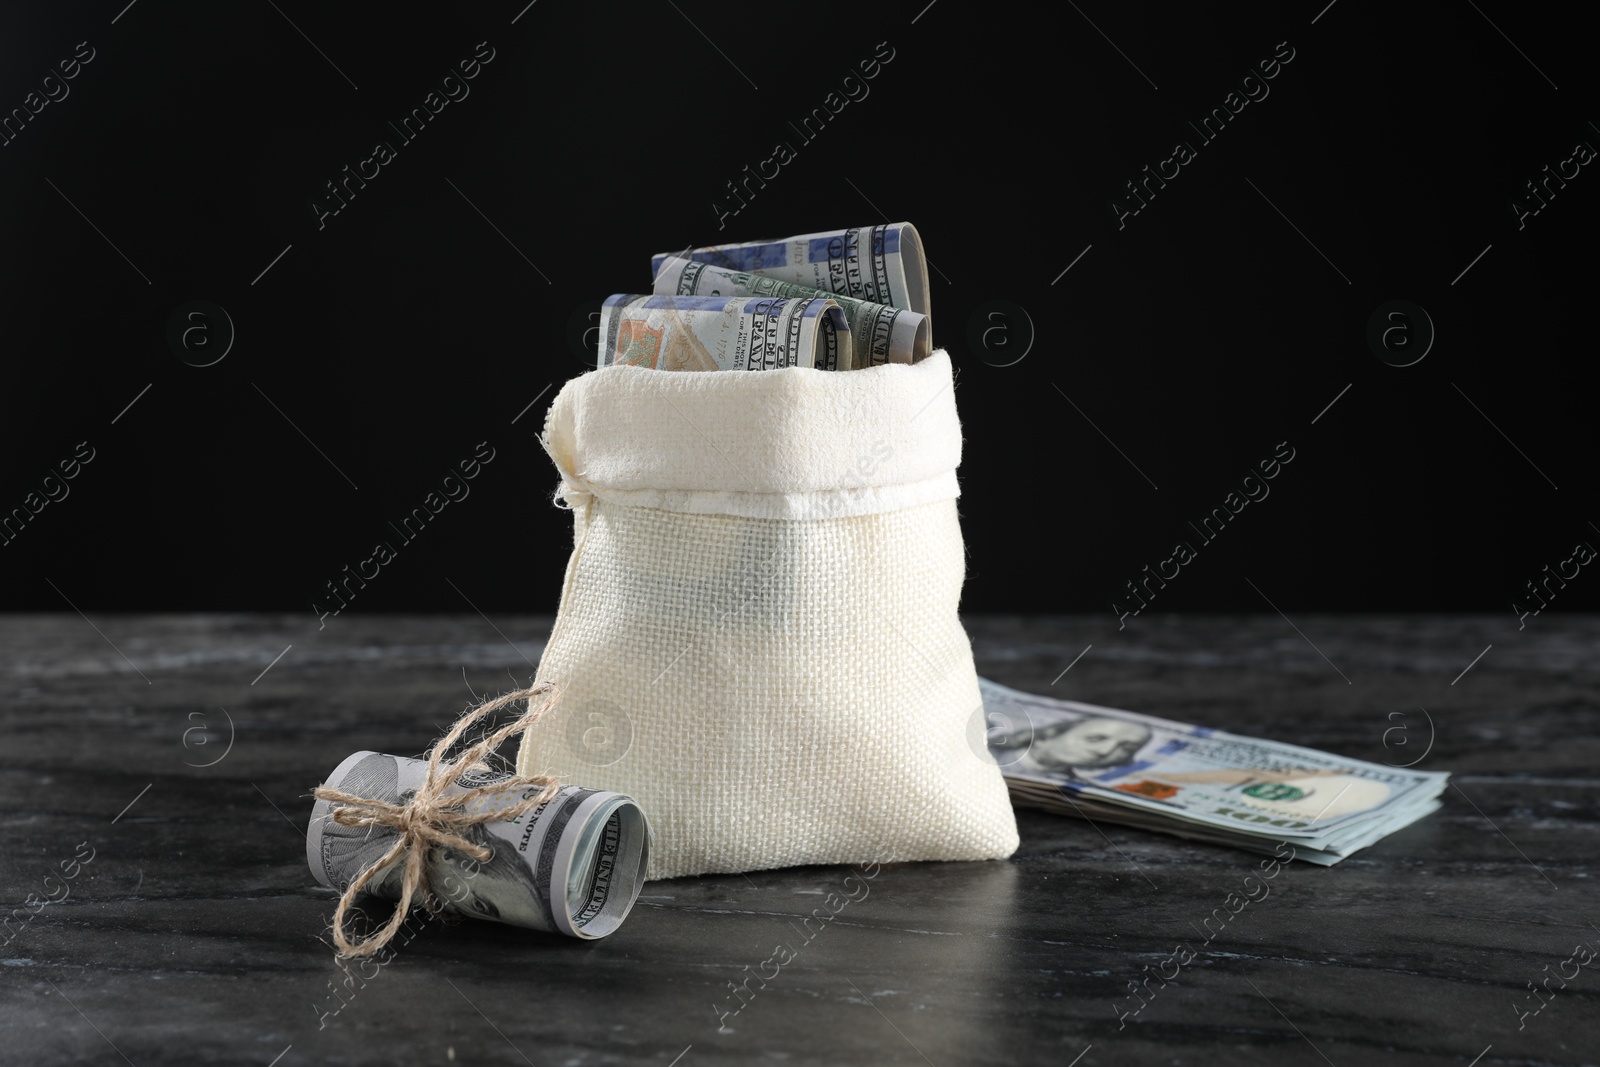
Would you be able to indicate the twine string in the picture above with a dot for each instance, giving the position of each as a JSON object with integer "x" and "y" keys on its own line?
{"x": 431, "y": 819}
{"x": 575, "y": 491}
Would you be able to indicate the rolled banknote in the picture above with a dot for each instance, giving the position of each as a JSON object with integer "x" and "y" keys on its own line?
{"x": 573, "y": 865}
{"x": 883, "y": 264}
{"x": 879, "y": 333}
{"x": 724, "y": 333}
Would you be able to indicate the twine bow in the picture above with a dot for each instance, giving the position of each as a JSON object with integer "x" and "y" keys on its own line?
{"x": 430, "y": 819}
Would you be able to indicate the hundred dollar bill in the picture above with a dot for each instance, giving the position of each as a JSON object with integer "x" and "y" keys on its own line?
{"x": 1192, "y": 780}
{"x": 574, "y": 865}
{"x": 883, "y": 264}
{"x": 724, "y": 333}
{"x": 879, "y": 333}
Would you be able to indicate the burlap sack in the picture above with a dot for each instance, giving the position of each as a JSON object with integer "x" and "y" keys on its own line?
{"x": 758, "y": 637}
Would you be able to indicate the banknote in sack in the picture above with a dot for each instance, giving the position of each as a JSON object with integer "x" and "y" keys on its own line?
{"x": 669, "y": 332}
{"x": 879, "y": 333}
{"x": 881, "y": 264}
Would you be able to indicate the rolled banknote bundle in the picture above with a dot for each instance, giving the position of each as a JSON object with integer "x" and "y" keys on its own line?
{"x": 724, "y": 333}
{"x": 883, "y": 264}
{"x": 573, "y": 865}
{"x": 879, "y": 333}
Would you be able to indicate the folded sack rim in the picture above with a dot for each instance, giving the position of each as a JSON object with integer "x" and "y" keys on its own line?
{"x": 713, "y": 434}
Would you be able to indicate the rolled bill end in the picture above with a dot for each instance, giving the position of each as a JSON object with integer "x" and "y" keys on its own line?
{"x": 602, "y": 865}
{"x": 322, "y": 854}
{"x": 921, "y": 340}
{"x": 574, "y": 865}
{"x": 916, "y": 267}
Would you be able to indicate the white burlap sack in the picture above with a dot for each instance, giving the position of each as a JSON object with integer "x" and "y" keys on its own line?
{"x": 758, "y": 636}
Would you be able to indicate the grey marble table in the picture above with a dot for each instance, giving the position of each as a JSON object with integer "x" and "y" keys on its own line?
{"x": 194, "y": 933}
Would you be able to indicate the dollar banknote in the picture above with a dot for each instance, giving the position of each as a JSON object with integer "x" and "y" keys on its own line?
{"x": 882, "y": 264}
{"x": 879, "y": 333}
{"x": 1194, "y": 781}
{"x": 574, "y": 865}
{"x": 724, "y": 333}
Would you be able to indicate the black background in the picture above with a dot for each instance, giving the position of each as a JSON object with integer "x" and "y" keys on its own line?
{"x": 415, "y": 323}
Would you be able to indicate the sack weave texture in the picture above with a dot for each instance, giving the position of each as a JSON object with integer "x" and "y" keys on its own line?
{"x": 758, "y": 636}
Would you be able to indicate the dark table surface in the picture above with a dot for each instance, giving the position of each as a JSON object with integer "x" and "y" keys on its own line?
{"x": 195, "y": 933}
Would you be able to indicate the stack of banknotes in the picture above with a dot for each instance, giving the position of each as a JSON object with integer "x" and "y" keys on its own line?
{"x": 1118, "y": 766}
{"x": 840, "y": 300}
